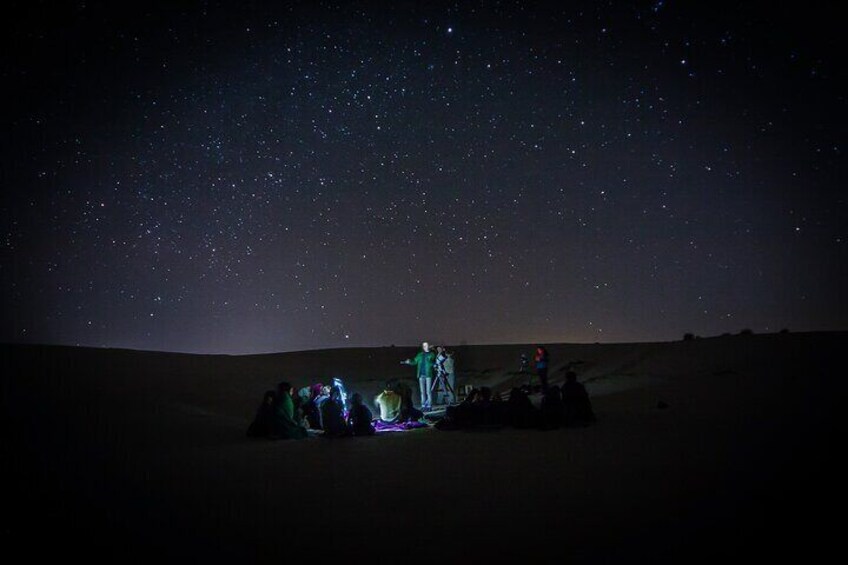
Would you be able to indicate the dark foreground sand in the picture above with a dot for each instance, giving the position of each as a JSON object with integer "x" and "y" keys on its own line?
{"x": 137, "y": 456}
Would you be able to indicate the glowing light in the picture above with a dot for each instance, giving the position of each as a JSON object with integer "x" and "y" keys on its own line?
{"x": 343, "y": 394}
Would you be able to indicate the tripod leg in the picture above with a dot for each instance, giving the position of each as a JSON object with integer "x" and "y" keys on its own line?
{"x": 443, "y": 385}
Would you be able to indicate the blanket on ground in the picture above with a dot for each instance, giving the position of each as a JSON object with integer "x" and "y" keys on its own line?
{"x": 382, "y": 426}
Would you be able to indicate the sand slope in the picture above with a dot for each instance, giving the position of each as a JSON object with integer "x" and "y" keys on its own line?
{"x": 140, "y": 455}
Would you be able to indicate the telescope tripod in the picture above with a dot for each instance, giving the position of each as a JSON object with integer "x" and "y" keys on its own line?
{"x": 443, "y": 379}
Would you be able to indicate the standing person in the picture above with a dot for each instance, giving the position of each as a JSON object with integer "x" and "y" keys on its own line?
{"x": 451, "y": 375}
{"x": 423, "y": 361}
{"x": 441, "y": 373}
{"x": 541, "y": 360}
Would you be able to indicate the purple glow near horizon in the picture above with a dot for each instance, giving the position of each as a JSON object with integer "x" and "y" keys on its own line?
{"x": 258, "y": 179}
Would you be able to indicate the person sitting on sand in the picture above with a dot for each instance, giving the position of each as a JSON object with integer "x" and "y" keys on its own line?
{"x": 470, "y": 398}
{"x": 408, "y": 411}
{"x": 283, "y": 423}
{"x": 551, "y": 410}
{"x": 261, "y": 425}
{"x": 359, "y": 418}
{"x": 477, "y": 410}
{"x": 499, "y": 408}
{"x": 308, "y": 406}
{"x": 322, "y": 397}
{"x": 389, "y": 404}
{"x": 301, "y": 406}
{"x": 484, "y": 411}
{"x": 576, "y": 403}
{"x": 520, "y": 412}
{"x": 305, "y": 402}
{"x": 460, "y": 415}
{"x": 332, "y": 415}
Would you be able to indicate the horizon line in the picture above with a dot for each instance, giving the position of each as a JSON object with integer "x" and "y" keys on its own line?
{"x": 745, "y": 333}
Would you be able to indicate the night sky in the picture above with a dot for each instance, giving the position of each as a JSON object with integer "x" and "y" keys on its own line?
{"x": 211, "y": 178}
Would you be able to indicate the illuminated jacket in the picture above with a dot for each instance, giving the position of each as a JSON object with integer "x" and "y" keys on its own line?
{"x": 283, "y": 423}
{"x": 424, "y": 362}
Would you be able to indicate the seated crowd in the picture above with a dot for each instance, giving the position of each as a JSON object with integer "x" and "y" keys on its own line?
{"x": 565, "y": 406}
{"x": 286, "y": 414}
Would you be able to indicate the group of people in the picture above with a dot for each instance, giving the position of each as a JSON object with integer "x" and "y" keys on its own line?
{"x": 285, "y": 414}
{"x": 565, "y": 406}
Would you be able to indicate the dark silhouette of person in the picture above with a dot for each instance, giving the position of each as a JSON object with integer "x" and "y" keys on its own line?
{"x": 284, "y": 424}
{"x": 308, "y": 407}
{"x": 477, "y": 410}
{"x": 332, "y": 415}
{"x": 408, "y": 411}
{"x": 261, "y": 425}
{"x": 483, "y": 410}
{"x": 541, "y": 361}
{"x": 577, "y": 406}
{"x": 460, "y": 410}
{"x": 551, "y": 413}
{"x": 300, "y": 399}
{"x": 459, "y": 415}
{"x": 520, "y": 412}
{"x": 498, "y": 408}
{"x": 360, "y": 417}
{"x": 321, "y": 396}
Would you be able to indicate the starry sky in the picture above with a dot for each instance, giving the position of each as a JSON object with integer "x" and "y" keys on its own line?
{"x": 256, "y": 177}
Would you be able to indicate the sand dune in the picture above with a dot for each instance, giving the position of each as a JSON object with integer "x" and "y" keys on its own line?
{"x": 141, "y": 455}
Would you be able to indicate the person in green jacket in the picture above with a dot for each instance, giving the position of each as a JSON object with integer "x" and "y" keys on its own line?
{"x": 284, "y": 425}
{"x": 423, "y": 362}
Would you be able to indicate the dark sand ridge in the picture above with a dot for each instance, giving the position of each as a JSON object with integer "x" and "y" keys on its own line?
{"x": 142, "y": 455}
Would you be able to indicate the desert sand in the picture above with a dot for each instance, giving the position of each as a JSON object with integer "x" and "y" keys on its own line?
{"x": 135, "y": 456}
